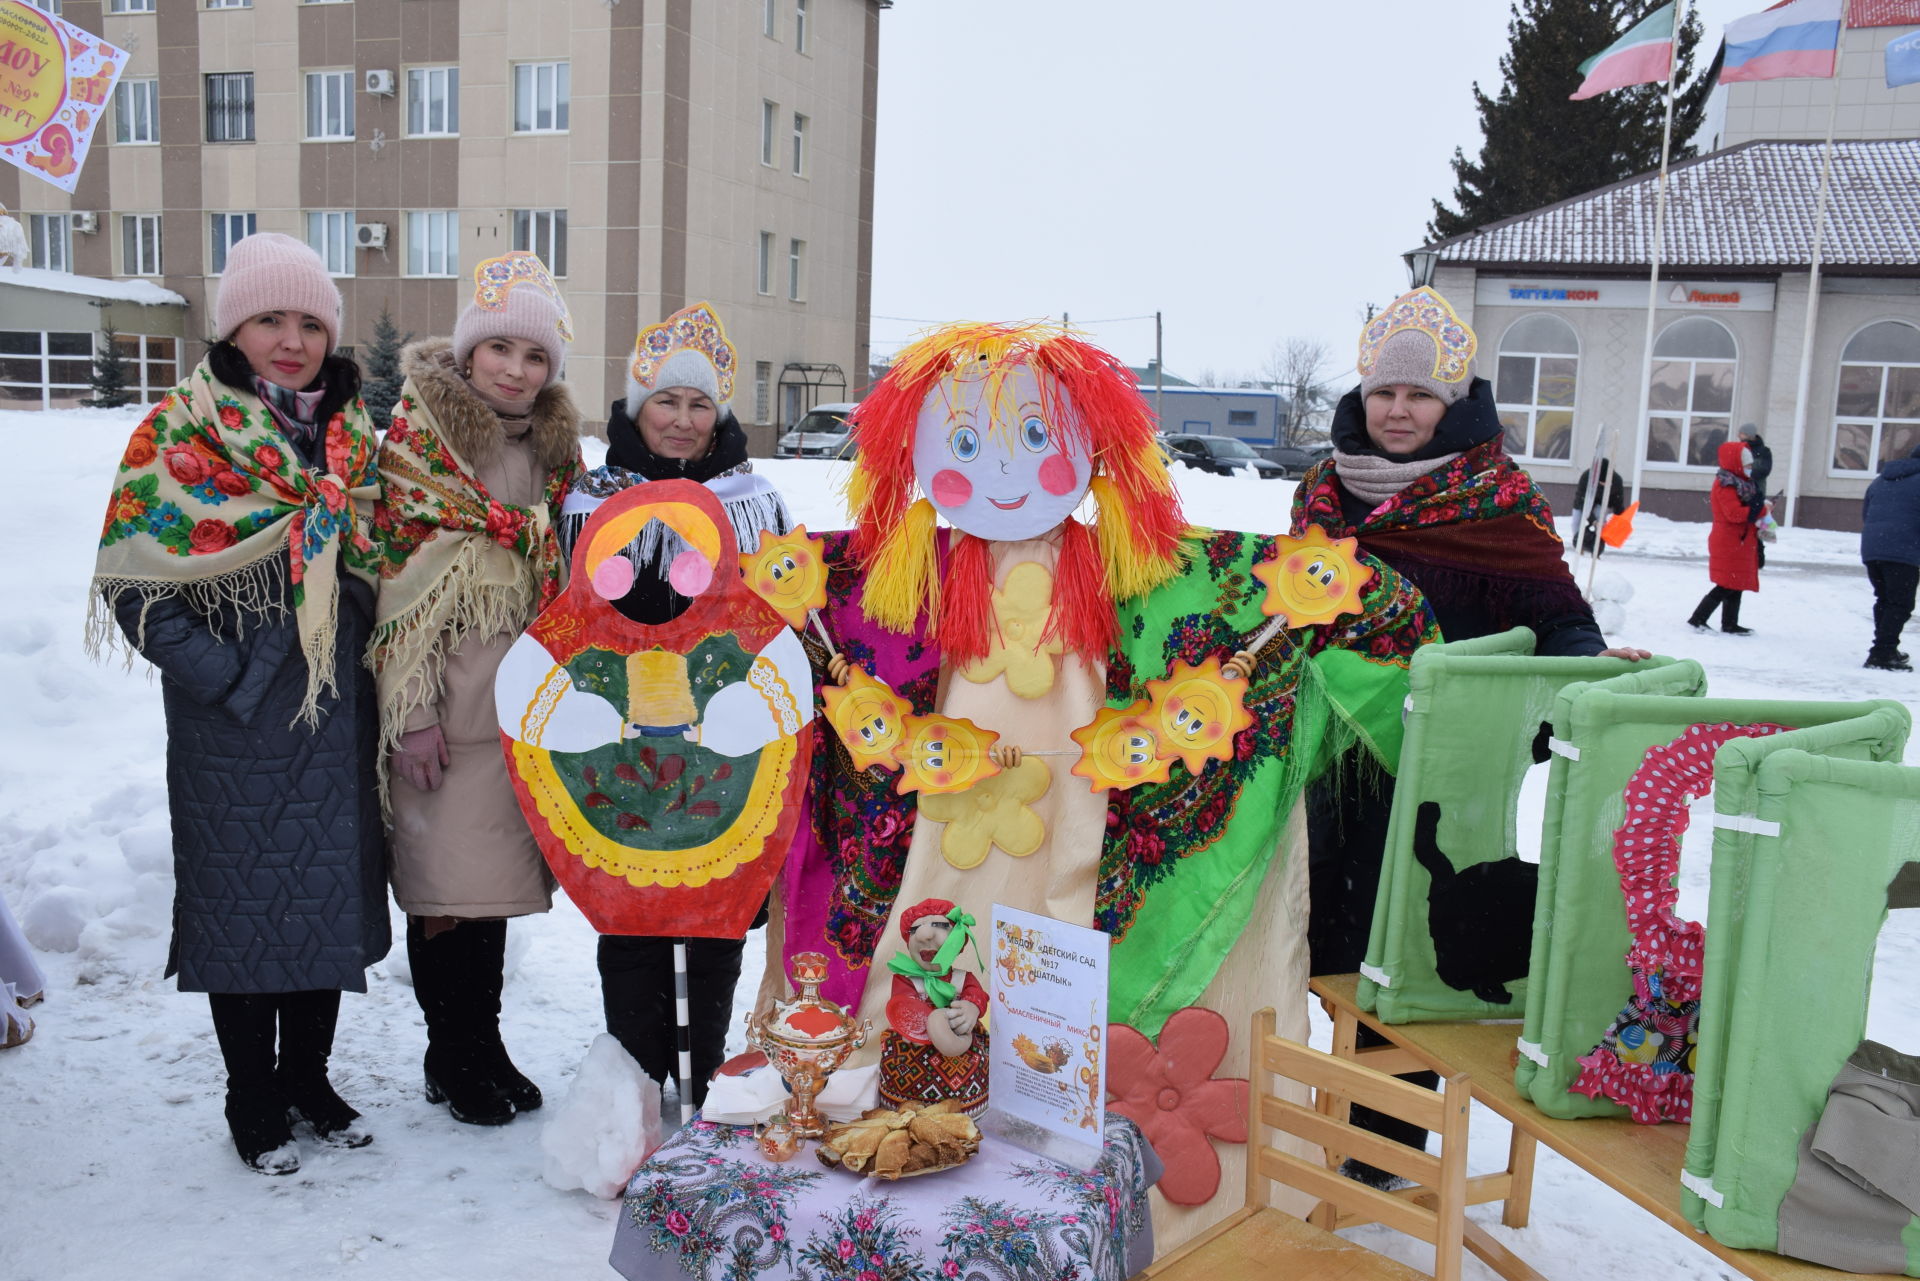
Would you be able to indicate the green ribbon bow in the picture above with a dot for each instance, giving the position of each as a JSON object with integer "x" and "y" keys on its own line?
{"x": 940, "y": 991}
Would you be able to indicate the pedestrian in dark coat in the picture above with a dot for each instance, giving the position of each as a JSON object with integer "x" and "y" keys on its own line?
{"x": 1420, "y": 476}
{"x": 235, "y": 558}
{"x": 1760, "y": 472}
{"x": 1733, "y": 541}
{"x": 1890, "y": 546}
{"x": 1613, "y": 500}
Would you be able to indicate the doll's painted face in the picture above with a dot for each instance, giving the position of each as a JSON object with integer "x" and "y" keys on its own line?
{"x": 928, "y": 936}
{"x": 994, "y": 459}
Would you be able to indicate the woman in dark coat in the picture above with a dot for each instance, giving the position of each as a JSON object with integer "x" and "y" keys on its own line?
{"x": 235, "y": 558}
{"x": 1733, "y": 541}
{"x": 1419, "y": 474}
{"x": 674, "y": 425}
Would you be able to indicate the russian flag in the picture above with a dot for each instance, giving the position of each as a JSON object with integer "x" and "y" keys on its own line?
{"x": 1642, "y": 56}
{"x": 1798, "y": 39}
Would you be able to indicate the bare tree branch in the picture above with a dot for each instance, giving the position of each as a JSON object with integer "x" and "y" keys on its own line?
{"x": 1300, "y": 369}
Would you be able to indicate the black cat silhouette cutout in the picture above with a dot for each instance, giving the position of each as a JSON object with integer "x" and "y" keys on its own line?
{"x": 1481, "y": 919}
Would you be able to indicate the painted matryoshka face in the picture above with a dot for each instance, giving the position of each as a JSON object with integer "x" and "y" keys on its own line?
{"x": 1120, "y": 749}
{"x": 944, "y": 754}
{"x": 994, "y": 460}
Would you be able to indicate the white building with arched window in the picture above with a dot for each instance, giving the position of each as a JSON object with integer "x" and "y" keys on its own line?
{"x": 1559, "y": 296}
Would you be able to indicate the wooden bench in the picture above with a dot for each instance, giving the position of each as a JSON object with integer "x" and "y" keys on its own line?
{"x": 1260, "y": 1241}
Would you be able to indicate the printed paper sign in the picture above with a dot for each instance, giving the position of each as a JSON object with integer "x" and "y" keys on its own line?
{"x": 55, "y": 80}
{"x": 1047, "y": 1067}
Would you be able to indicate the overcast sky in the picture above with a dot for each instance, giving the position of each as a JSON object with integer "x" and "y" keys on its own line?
{"x": 1252, "y": 169}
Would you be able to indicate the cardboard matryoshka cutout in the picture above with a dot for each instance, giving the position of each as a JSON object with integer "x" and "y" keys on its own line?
{"x": 661, "y": 767}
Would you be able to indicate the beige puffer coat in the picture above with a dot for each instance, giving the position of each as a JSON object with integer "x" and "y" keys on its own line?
{"x": 465, "y": 850}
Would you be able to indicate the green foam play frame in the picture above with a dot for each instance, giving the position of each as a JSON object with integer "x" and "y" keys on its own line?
{"x": 1578, "y": 977}
{"x": 1806, "y": 849}
{"x": 1474, "y": 709}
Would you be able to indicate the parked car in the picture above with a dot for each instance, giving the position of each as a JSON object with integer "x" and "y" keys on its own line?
{"x": 1295, "y": 458}
{"x": 1221, "y": 455}
{"x": 821, "y": 433}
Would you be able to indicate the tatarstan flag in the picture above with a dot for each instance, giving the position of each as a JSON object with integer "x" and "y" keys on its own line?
{"x": 1642, "y": 56}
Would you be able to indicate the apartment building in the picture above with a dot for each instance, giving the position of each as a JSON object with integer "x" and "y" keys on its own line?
{"x": 653, "y": 152}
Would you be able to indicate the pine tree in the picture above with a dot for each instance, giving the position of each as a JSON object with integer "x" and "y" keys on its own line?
{"x": 1538, "y": 146}
{"x": 381, "y": 387}
{"x": 109, "y": 374}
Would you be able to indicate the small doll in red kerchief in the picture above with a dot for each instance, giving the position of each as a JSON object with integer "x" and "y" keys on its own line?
{"x": 936, "y": 1047}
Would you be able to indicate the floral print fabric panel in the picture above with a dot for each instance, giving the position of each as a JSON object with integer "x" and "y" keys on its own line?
{"x": 709, "y": 1206}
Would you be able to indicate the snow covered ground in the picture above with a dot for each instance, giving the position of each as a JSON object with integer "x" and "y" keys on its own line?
{"x": 114, "y": 1157}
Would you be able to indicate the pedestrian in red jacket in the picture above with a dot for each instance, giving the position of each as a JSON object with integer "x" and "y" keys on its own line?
{"x": 1733, "y": 546}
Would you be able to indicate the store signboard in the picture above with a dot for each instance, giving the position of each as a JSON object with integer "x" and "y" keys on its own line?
{"x": 1684, "y": 294}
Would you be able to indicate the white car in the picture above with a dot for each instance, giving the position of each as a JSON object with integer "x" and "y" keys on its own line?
{"x": 822, "y": 433}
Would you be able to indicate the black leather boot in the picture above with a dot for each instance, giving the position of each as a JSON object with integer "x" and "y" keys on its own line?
{"x": 453, "y": 1000}
{"x": 307, "y": 1020}
{"x": 256, "y": 1113}
{"x": 489, "y": 944}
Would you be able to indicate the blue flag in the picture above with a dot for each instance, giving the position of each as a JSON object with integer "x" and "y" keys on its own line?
{"x": 1903, "y": 60}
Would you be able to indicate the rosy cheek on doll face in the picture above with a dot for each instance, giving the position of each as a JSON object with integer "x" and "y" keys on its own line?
{"x": 1057, "y": 477}
{"x": 950, "y": 488}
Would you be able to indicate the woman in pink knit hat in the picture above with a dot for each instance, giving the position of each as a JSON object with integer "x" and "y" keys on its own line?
{"x": 236, "y": 557}
{"x": 484, "y": 444}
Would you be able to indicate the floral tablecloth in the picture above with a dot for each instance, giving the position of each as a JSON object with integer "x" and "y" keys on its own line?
{"x": 708, "y": 1205}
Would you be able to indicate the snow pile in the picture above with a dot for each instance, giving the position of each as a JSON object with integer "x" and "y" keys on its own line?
{"x": 606, "y": 1125}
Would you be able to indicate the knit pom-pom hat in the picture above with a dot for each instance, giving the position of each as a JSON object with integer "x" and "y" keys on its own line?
{"x": 1418, "y": 340}
{"x": 687, "y": 349}
{"x": 514, "y": 296}
{"x": 272, "y": 272}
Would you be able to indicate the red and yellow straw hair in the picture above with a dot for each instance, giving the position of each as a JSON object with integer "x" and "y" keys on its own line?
{"x": 1094, "y": 402}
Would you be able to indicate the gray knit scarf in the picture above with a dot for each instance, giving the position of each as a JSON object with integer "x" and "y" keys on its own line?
{"x": 1375, "y": 478}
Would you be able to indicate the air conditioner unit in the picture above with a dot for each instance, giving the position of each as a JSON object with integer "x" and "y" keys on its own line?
{"x": 370, "y": 235}
{"x": 380, "y": 82}
{"x": 85, "y": 223}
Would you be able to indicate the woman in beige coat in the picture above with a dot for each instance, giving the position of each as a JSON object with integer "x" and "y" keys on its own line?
{"x": 483, "y": 447}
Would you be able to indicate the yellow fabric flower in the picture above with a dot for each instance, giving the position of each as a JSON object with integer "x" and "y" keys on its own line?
{"x": 992, "y": 812}
{"x": 1020, "y": 613}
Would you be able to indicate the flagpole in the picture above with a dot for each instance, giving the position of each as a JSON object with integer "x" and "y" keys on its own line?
{"x": 1799, "y": 439}
{"x": 1659, "y": 229}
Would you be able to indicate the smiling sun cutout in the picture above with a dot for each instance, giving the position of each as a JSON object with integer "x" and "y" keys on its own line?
{"x": 869, "y": 718}
{"x": 788, "y": 573}
{"x": 1195, "y": 712}
{"x": 1120, "y": 749}
{"x": 944, "y": 754}
{"x": 1313, "y": 579}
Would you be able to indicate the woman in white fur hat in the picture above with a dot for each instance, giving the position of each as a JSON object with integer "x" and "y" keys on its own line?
{"x": 482, "y": 451}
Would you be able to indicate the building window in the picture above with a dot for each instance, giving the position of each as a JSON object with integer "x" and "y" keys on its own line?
{"x": 433, "y": 242}
{"x": 1242, "y": 418}
{"x": 799, "y": 145}
{"x": 229, "y": 229}
{"x": 769, "y": 113}
{"x": 329, "y": 106}
{"x": 762, "y": 389}
{"x": 136, "y": 111}
{"x": 800, "y": 25}
{"x": 1691, "y": 400}
{"x": 763, "y": 269}
{"x": 53, "y": 7}
{"x": 796, "y": 252}
{"x": 230, "y": 107}
{"x": 433, "y": 102}
{"x": 1534, "y": 387}
{"x": 770, "y": 24}
{"x": 130, "y": 6}
{"x": 330, "y": 233}
{"x": 229, "y": 4}
{"x": 1876, "y": 414}
{"x": 540, "y": 96}
{"x": 52, "y": 236}
{"x": 151, "y": 363}
{"x": 543, "y": 232}
{"x": 54, "y": 370}
{"x": 140, "y": 244}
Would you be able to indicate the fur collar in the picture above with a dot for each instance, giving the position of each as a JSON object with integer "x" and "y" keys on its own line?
{"x": 469, "y": 426}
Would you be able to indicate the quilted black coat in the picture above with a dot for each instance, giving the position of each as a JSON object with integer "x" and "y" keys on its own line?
{"x": 279, "y": 855}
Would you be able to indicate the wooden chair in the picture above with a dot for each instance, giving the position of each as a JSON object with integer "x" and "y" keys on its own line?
{"x": 1260, "y": 1241}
